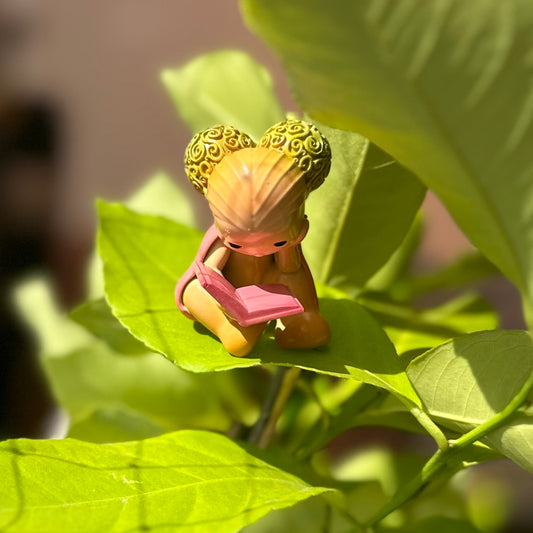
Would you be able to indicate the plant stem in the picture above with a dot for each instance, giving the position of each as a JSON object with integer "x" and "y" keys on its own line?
{"x": 282, "y": 385}
{"x": 445, "y": 457}
{"x": 434, "y": 431}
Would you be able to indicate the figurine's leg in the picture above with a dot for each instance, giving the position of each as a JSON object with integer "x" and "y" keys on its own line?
{"x": 237, "y": 340}
{"x": 304, "y": 330}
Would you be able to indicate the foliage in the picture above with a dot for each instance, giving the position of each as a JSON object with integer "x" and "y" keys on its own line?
{"x": 442, "y": 92}
{"x": 191, "y": 479}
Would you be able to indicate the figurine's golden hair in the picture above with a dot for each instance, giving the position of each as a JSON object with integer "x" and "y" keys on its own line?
{"x": 256, "y": 189}
{"x": 259, "y": 188}
{"x": 300, "y": 141}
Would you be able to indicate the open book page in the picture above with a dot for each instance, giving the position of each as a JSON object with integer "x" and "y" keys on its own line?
{"x": 251, "y": 304}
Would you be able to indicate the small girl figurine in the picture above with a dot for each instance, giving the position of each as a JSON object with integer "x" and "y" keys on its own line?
{"x": 257, "y": 196}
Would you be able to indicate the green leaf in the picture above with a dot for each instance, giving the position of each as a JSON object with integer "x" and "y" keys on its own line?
{"x": 469, "y": 268}
{"x": 365, "y": 408}
{"x": 224, "y": 87}
{"x": 305, "y": 517}
{"x": 410, "y": 329}
{"x": 160, "y": 196}
{"x": 189, "y": 480}
{"x": 515, "y": 440}
{"x": 370, "y": 477}
{"x": 97, "y": 318}
{"x": 465, "y": 382}
{"x": 355, "y": 227}
{"x": 144, "y": 395}
{"x": 144, "y": 257}
{"x": 473, "y": 377}
{"x": 444, "y": 87}
{"x": 393, "y": 272}
{"x": 114, "y": 424}
{"x": 358, "y": 349}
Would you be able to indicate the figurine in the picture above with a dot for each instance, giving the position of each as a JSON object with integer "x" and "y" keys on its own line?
{"x": 250, "y": 268}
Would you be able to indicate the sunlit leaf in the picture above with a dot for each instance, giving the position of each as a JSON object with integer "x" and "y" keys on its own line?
{"x": 161, "y": 196}
{"x": 143, "y": 259}
{"x": 186, "y": 480}
{"x": 444, "y": 87}
{"x": 224, "y": 87}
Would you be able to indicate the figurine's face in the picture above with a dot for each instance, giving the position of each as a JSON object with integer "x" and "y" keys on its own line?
{"x": 257, "y": 199}
{"x": 263, "y": 243}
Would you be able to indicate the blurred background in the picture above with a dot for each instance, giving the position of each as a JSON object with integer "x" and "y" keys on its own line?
{"x": 83, "y": 115}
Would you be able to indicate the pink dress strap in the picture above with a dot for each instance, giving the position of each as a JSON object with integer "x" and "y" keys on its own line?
{"x": 210, "y": 237}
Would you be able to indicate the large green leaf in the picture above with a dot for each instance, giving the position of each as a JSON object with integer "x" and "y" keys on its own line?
{"x": 190, "y": 480}
{"x": 355, "y": 228}
{"x": 224, "y": 87}
{"x": 444, "y": 87}
{"x": 144, "y": 257}
{"x": 465, "y": 382}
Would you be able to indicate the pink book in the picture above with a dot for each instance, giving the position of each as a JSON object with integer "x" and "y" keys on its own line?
{"x": 251, "y": 304}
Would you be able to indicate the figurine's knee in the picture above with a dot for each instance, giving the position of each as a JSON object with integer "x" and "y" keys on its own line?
{"x": 305, "y": 330}
{"x": 237, "y": 340}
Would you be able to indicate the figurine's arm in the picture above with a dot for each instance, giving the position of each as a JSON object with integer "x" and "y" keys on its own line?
{"x": 217, "y": 257}
{"x": 288, "y": 259}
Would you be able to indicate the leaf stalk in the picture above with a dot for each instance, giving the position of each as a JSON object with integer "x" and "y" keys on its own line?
{"x": 282, "y": 385}
{"x": 451, "y": 456}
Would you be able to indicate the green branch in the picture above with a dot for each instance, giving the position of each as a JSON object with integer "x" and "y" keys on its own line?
{"x": 282, "y": 385}
{"x": 452, "y": 454}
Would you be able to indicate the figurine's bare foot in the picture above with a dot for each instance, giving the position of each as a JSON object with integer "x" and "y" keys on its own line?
{"x": 237, "y": 340}
{"x": 305, "y": 330}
